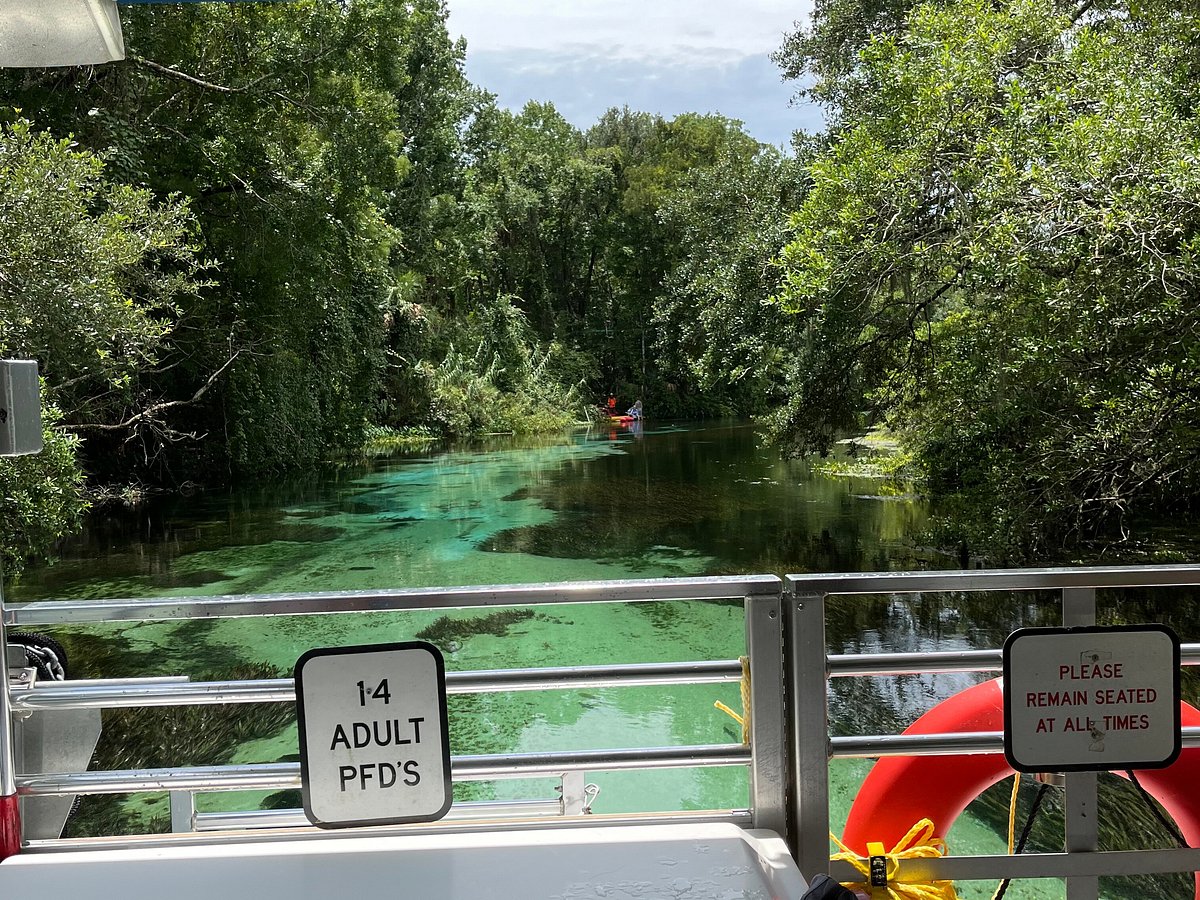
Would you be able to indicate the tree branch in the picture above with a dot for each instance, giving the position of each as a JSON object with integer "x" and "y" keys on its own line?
{"x": 190, "y": 79}
{"x": 1081, "y": 9}
{"x": 160, "y": 69}
{"x": 150, "y": 413}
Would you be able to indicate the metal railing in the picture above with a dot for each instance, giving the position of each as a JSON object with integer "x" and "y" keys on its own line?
{"x": 789, "y": 751}
{"x": 811, "y": 747}
{"x": 760, "y": 596}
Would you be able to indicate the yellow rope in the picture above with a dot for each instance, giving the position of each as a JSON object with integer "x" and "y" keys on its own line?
{"x": 919, "y": 843}
{"x": 746, "y": 705}
{"x": 1012, "y": 830}
{"x": 1012, "y": 812}
{"x": 744, "y": 718}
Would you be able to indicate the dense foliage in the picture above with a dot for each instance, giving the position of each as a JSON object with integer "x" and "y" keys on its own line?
{"x": 283, "y": 226}
{"x": 998, "y": 257}
{"x": 91, "y": 277}
{"x": 277, "y": 228}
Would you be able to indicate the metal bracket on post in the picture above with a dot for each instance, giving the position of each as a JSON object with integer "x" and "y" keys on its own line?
{"x": 766, "y": 710}
{"x": 1080, "y": 803}
{"x": 183, "y": 812}
{"x": 807, "y": 678}
{"x": 574, "y": 794}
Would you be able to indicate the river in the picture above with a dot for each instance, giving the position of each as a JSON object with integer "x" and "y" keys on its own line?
{"x": 653, "y": 501}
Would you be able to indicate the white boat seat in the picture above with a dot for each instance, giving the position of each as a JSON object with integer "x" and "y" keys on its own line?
{"x": 651, "y": 862}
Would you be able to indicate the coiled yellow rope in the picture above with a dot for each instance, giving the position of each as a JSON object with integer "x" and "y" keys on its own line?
{"x": 919, "y": 843}
{"x": 744, "y": 718}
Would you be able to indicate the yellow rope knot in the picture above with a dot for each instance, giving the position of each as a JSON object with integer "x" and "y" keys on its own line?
{"x": 744, "y": 718}
{"x": 880, "y": 868}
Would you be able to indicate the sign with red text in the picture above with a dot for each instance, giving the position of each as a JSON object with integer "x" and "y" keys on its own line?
{"x": 1091, "y": 699}
{"x": 374, "y": 735}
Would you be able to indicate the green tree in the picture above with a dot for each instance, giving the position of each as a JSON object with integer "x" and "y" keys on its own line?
{"x": 997, "y": 255}
{"x": 41, "y": 497}
{"x": 303, "y": 134}
{"x": 92, "y": 277}
{"x": 731, "y": 347}
{"x": 654, "y": 161}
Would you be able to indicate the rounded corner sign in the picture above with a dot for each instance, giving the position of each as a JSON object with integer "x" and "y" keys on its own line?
{"x": 1091, "y": 699}
{"x": 374, "y": 734}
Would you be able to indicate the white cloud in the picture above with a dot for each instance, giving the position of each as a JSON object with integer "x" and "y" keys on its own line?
{"x": 659, "y": 56}
{"x": 582, "y": 88}
{"x": 660, "y": 30}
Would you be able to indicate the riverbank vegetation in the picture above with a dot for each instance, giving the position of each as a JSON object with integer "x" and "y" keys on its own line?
{"x": 278, "y": 230}
{"x": 997, "y": 256}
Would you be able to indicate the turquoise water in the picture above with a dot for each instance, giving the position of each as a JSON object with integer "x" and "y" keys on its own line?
{"x": 671, "y": 501}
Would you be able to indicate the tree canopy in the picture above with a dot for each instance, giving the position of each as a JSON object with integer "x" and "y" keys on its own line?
{"x": 997, "y": 256}
{"x": 282, "y": 225}
{"x": 278, "y": 227}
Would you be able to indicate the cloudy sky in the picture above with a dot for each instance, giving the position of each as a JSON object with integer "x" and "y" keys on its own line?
{"x": 660, "y": 56}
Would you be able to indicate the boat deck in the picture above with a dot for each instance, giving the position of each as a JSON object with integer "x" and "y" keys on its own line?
{"x": 615, "y": 863}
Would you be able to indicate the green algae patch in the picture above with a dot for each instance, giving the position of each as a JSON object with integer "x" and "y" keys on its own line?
{"x": 447, "y": 632}
{"x": 169, "y": 737}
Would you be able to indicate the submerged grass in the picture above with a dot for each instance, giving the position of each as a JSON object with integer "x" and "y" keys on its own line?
{"x": 170, "y": 737}
{"x": 447, "y": 630}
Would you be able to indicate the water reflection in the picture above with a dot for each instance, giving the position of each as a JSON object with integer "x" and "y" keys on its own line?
{"x": 611, "y": 503}
{"x": 652, "y": 502}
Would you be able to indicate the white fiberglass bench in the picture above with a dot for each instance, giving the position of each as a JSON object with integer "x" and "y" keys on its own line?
{"x": 652, "y": 862}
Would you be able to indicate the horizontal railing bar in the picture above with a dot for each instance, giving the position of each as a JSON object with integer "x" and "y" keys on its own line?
{"x": 740, "y": 817}
{"x": 59, "y": 612}
{"x": 261, "y": 776}
{"x": 1036, "y": 865}
{"x": 719, "y": 671}
{"x": 868, "y": 746}
{"x": 272, "y": 776}
{"x": 84, "y": 695}
{"x": 843, "y": 583}
{"x": 57, "y": 695}
{"x": 89, "y": 682}
{"x": 62, "y": 612}
{"x": 115, "y": 693}
{"x": 519, "y": 765}
{"x": 295, "y": 818}
{"x": 848, "y": 664}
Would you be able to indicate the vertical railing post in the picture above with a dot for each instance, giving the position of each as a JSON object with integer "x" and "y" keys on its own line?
{"x": 183, "y": 812}
{"x": 574, "y": 793}
{"x": 1080, "y": 804}
{"x": 766, "y": 709}
{"x": 806, "y": 679}
{"x": 20, "y": 435}
{"x": 10, "y": 812}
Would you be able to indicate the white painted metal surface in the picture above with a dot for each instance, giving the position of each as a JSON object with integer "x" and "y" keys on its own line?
{"x": 702, "y": 862}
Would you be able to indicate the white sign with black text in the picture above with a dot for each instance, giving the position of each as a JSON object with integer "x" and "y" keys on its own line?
{"x": 1091, "y": 699}
{"x": 374, "y": 736}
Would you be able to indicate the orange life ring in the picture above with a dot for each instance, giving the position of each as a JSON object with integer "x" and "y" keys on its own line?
{"x": 899, "y": 790}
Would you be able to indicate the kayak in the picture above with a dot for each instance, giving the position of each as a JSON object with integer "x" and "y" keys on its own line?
{"x": 621, "y": 420}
